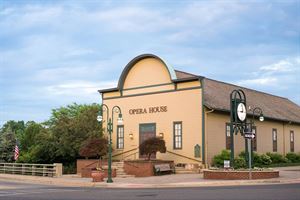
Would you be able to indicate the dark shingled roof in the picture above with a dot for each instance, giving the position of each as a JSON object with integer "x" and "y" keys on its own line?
{"x": 183, "y": 75}
{"x": 217, "y": 94}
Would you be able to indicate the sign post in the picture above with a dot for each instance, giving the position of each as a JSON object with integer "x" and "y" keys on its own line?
{"x": 249, "y": 162}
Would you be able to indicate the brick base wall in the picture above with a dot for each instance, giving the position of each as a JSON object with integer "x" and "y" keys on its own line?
{"x": 88, "y": 163}
{"x": 86, "y": 173}
{"x": 143, "y": 168}
{"x": 238, "y": 175}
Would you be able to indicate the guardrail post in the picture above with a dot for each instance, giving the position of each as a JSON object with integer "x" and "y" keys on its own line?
{"x": 58, "y": 169}
{"x": 33, "y": 170}
{"x": 44, "y": 169}
{"x": 23, "y": 169}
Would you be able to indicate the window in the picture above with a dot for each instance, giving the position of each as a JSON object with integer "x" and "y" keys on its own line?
{"x": 292, "y": 141}
{"x": 228, "y": 138}
{"x": 254, "y": 140}
{"x": 274, "y": 138}
{"x": 120, "y": 137}
{"x": 177, "y": 130}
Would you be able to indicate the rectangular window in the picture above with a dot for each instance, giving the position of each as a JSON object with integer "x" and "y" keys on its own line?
{"x": 274, "y": 138}
{"x": 120, "y": 137}
{"x": 254, "y": 140}
{"x": 292, "y": 141}
{"x": 177, "y": 130}
{"x": 228, "y": 138}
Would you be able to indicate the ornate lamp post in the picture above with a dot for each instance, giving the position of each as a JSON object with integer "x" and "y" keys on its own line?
{"x": 257, "y": 110}
{"x": 110, "y": 121}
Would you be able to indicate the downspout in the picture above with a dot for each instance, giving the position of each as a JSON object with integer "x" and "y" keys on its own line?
{"x": 203, "y": 122}
{"x": 283, "y": 139}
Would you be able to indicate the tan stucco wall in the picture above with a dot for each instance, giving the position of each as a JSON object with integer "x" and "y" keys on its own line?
{"x": 188, "y": 84}
{"x": 111, "y": 94}
{"x": 149, "y": 71}
{"x": 216, "y": 141}
{"x": 189, "y": 113}
{"x": 149, "y": 89}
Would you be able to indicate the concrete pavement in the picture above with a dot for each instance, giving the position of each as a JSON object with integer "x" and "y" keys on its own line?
{"x": 287, "y": 175}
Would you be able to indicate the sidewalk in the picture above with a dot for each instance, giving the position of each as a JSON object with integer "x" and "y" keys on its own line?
{"x": 287, "y": 175}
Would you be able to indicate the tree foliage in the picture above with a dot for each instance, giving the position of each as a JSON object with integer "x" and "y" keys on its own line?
{"x": 7, "y": 145}
{"x": 94, "y": 148}
{"x": 57, "y": 140}
{"x": 151, "y": 146}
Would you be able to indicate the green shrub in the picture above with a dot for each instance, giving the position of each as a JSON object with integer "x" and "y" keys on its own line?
{"x": 265, "y": 159}
{"x": 69, "y": 168}
{"x": 257, "y": 160}
{"x": 242, "y": 154}
{"x": 293, "y": 157}
{"x": 218, "y": 160}
{"x": 239, "y": 163}
{"x": 277, "y": 158}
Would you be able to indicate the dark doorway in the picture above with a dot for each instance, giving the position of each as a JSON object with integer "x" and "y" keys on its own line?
{"x": 147, "y": 131}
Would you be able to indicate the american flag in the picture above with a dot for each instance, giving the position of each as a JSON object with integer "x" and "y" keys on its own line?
{"x": 16, "y": 156}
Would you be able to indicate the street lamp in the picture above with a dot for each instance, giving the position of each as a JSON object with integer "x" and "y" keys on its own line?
{"x": 257, "y": 110}
{"x": 115, "y": 109}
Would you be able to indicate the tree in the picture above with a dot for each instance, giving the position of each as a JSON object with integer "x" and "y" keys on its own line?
{"x": 70, "y": 127}
{"x": 17, "y": 127}
{"x": 151, "y": 146}
{"x": 7, "y": 145}
{"x": 31, "y": 132}
{"x": 94, "y": 147}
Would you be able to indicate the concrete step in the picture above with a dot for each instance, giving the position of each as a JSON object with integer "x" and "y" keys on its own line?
{"x": 186, "y": 172}
{"x": 125, "y": 176}
{"x": 182, "y": 170}
{"x": 119, "y": 166}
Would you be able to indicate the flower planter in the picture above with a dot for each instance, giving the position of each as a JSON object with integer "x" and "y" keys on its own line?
{"x": 97, "y": 176}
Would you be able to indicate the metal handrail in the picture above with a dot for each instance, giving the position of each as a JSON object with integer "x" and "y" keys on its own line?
{"x": 131, "y": 155}
{"x": 184, "y": 156}
{"x": 114, "y": 156}
{"x": 125, "y": 152}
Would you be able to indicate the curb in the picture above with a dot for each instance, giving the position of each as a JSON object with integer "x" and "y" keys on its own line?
{"x": 59, "y": 182}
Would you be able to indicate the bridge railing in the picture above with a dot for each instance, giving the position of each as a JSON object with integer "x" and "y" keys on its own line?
{"x": 49, "y": 170}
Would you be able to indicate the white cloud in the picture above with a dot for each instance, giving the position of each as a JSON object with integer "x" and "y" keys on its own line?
{"x": 78, "y": 88}
{"x": 272, "y": 75}
{"x": 269, "y": 81}
{"x": 287, "y": 65}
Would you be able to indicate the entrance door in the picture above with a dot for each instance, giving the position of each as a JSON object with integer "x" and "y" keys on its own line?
{"x": 147, "y": 131}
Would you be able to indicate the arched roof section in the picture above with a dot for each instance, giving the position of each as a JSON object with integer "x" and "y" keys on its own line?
{"x": 135, "y": 61}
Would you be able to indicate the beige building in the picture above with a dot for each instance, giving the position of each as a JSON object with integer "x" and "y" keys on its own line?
{"x": 191, "y": 113}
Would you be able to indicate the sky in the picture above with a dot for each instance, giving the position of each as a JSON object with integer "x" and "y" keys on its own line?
{"x": 54, "y": 53}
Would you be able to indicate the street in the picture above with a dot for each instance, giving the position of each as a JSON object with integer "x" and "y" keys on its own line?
{"x": 24, "y": 191}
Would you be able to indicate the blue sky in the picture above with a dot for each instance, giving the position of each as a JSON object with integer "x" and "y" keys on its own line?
{"x": 53, "y": 53}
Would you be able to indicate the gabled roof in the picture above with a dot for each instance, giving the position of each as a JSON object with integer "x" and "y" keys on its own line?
{"x": 216, "y": 96}
{"x": 182, "y": 75}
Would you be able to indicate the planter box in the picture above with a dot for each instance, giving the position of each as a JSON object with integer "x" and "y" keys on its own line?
{"x": 143, "y": 168}
{"x": 238, "y": 175}
{"x": 86, "y": 172}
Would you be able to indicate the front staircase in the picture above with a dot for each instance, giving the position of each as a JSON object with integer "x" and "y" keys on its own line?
{"x": 119, "y": 166}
